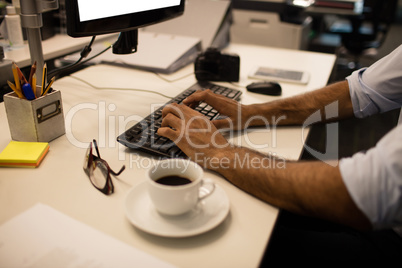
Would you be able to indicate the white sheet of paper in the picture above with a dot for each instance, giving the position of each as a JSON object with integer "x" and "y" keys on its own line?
{"x": 44, "y": 237}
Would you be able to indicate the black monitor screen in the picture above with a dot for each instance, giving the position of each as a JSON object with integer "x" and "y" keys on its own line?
{"x": 95, "y": 17}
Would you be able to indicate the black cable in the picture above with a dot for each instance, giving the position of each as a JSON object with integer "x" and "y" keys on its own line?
{"x": 96, "y": 55}
{"x": 84, "y": 53}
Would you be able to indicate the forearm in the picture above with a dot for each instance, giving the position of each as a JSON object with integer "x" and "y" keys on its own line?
{"x": 308, "y": 188}
{"x": 295, "y": 110}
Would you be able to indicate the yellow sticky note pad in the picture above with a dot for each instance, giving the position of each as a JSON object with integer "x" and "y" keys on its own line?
{"x": 23, "y": 154}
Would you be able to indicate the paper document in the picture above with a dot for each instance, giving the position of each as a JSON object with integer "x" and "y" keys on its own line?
{"x": 43, "y": 237}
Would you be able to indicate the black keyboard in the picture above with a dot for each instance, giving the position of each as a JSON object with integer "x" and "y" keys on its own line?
{"x": 143, "y": 136}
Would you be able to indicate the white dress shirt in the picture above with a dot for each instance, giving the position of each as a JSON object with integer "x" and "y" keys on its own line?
{"x": 374, "y": 178}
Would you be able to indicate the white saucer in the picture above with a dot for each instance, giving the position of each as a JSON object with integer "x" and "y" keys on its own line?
{"x": 208, "y": 214}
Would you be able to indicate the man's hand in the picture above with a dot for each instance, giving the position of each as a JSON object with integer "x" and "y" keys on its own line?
{"x": 237, "y": 114}
{"x": 192, "y": 132}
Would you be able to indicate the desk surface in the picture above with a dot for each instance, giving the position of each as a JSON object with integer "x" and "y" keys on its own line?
{"x": 61, "y": 183}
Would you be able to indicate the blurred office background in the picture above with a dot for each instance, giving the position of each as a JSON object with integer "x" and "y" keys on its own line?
{"x": 359, "y": 134}
{"x": 386, "y": 38}
{"x": 358, "y": 32}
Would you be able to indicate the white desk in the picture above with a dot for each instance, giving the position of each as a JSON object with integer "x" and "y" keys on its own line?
{"x": 60, "y": 182}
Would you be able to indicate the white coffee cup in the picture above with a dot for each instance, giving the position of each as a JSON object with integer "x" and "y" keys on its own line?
{"x": 177, "y": 199}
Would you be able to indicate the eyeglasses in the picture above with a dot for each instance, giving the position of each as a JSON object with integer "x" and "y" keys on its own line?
{"x": 99, "y": 171}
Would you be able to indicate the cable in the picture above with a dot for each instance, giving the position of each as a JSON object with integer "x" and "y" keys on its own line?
{"x": 96, "y": 55}
{"x": 84, "y": 53}
{"x": 133, "y": 89}
{"x": 173, "y": 80}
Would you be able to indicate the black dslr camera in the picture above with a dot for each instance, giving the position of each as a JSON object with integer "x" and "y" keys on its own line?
{"x": 212, "y": 65}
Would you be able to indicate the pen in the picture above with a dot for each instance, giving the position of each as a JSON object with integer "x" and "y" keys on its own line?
{"x": 27, "y": 90}
{"x": 18, "y": 92}
{"x": 49, "y": 85}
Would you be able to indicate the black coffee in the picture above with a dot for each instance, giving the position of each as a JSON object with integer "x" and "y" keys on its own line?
{"x": 173, "y": 180}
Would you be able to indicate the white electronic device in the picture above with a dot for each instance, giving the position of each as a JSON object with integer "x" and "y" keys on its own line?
{"x": 279, "y": 75}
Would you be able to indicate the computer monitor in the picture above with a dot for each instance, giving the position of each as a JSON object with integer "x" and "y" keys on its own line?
{"x": 96, "y": 17}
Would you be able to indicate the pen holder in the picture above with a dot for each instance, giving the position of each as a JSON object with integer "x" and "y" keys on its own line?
{"x": 39, "y": 120}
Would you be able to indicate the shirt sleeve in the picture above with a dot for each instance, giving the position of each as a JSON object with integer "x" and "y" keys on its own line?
{"x": 378, "y": 88}
{"x": 374, "y": 180}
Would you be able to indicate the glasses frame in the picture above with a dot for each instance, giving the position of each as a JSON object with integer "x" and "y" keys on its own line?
{"x": 92, "y": 161}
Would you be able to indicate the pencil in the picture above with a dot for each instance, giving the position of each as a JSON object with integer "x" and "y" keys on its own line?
{"x": 21, "y": 76}
{"x": 44, "y": 77}
{"x": 49, "y": 85}
{"x": 16, "y": 78}
{"x": 33, "y": 84}
{"x": 12, "y": 86}
{"x": 33, "y": 71}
